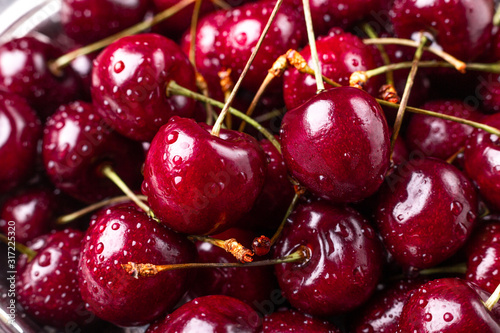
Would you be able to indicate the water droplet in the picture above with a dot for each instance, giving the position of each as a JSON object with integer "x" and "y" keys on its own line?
{"x": 400, "y": 217}
{"x": 99, "y": 248}
{"x": 471, "y": 216}
{"x": 341, "y": 230}
{"x": 448, "y": 317}
{"x": 44, "y": 260}
{"x": 456, "y": 208}
{"x": 115, "y": 226}
{"x": 172, "y": 137}
{"x": 119, "y": 67}
{"x": 427, "y": 317}
{"x": 422, "y": 302}
{"x": 177, "y": 159}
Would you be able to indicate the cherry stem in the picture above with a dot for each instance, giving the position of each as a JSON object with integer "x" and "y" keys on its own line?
{"x": 57, "y": 65}
{"x": 320, "y": 86}
{"x": 300, "y": 256}
{"x": 222, "y": 4}
{"x": 226, "y": 85}
{"x": 493, "y": 299}
{"x": 453, "y": 157}
{"x": 407, "y": 91}
{"x": 107, "y": 170}
{"x": 456, "y": 269}
{"x": 278, "y": 68}
{"x": 268, "y": 116}
{"x": 285, "y": 218}
{"x": 175, "y": 89}
{"x": 458, "y": 64}
{"x": 21, "y": 248}
{"x": 194, "y": 25}
{"x": 230, "y": 245}
{"x": 385, "y": 58}
{"x": 84, "y": 211}
{"x": 496, "y": 18}
{"x": 227, "y": 105}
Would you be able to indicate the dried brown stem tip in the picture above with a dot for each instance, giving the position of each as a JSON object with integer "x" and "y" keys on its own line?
{"x": 388, "y": 93}
{"x": 358, "y": 79}
{"x": 261, "y": 245}
{"x": 226, "y": 83}
{"x": 238, "y": 251}
{"x": 297, "y": 60}
{"x": 140, "y": 270}
{"x": 279, "y": 66}
{"x": 299, "y": 190}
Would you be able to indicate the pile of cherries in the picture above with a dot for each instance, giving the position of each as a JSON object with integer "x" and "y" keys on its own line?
{"x": 340, "y": 224}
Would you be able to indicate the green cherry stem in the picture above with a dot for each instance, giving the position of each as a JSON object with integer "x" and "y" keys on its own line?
{"x": 493, "y": 299}
{"x": 320, "y": 86}
{"x": 216, "y": 128}
{"x": 496, "y": 18}
{"x": 285, "y": 218}
{"x": 21, "y": 248}
{"x": 385, "y": 58}
{"x": 174, "y": 89}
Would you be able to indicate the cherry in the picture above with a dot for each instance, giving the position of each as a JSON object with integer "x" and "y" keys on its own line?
{"x": 382, "y": 312}
{"x": 24, "y": 71}
{"x": 294, "y": 321}
{"x": 340, "y": 54}
{"x": 210, "y": 314}
{"x": 47, "y": 286}
{"x": 482, "y": 161}
{"x": 400, "y": 153}
{"x": 490, "y": 90}
{"x": 32, "y": 212}
{"x": 427, "y": 209}
{"x": 77, "y": 143}
{"x": 461, "y": 28}
{"x": 87, "y": 21}
{"x": 119, "y": 235}
{"x": 337, "y": 144}
{"x": 448, "y": 305}
{"x": 345, "y": 263}
{"x": 20, "y": 130}
{"x": 436, "y": 137}
{"x": 191, "y": 177}
{"x": 129, "y": 82}
{"x": 483, "y": 263}
{"x": 251, "y": 285}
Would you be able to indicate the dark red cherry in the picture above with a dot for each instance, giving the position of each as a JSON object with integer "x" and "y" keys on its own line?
{"x": 436, "y": 137}
{"x": 340, "y": 54}
{"x": 482, "y": 161}
{"x": 198, "y": 183}
{"x": 241, "y": 30}
{"x": 123, "y": 234}
{"x": 427, "y": 210}
{"x": 77, "y": 143}
{"x": 345, "y": 264}
{"x": 24, "y": 71}
{"x": 381, "y": 313}
{"x": 87, "y": 21}
{"x": 47, "y": 286}
{"x": 460, "y": 27}
{"x": 294, "y": 321}
{"x": 489, "y": 90}
{"x": 483, "y": 256}
{"x": 252, "y": 285}
{"x": 337, "y": 144}
{"x": 29, "y": 213}
{"x": 448, "y": 305}
{"x": 210, "y": 314}
{"x": 20, "y": 131}
{"x": 129, "y": 82}
{"x": 400, "y": 153}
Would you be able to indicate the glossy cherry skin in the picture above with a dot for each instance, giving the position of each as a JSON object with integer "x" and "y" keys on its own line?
{"x": 129, "y": 82}
{"x": 198, "y": 183}
{"x": 31, "y": 211}
{"x": 340, "y": 54}
{"x": 252, "y": 285}
{"x": 345, "y": 263}
{"x": 427, "y": 210}
{"x": 448, "y": 305}
{"x": 123, "y": 234}
{"x": 210, "y": 314}
{"x": 294, "y": 321}
{"x": 47, "y": 286}
{"x": 24, "y": 71}
{"x": 337, "y": 144}
{"x": 77, "y": 143}
{"x": 436, "y": 137}
{"x": 483, "y": 256}
{"x": 20, "y": 131}
{"x": 460, "y": 27}
{"x": 87, "y": 21}
{"x": 382, "y": 312}
{"x": 482, "y": 161}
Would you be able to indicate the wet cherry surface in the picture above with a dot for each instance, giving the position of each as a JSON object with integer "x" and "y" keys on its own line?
{"x": 294, "y": 321}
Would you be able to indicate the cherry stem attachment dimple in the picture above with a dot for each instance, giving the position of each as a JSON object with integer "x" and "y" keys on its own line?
{"x": 320, "y": 85}
{"x": 110, "y": 173}
{"x": 21, "y": 248}
{"x": 227, "y": 105}
{"x": 58, "y": 64}
{"x": 84, "y": 211}
{"x": 300, "y": 256}
{"x": 174, "y": 89}
{"x": 458, "y": 64}
{"x": 493, "y": 299}
{"x": 407, "y": 91}
{"x": 230, "y": 245}
{"x": 383, "y": 54}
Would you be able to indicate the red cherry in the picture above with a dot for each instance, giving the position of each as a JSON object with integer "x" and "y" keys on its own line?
{"x": 294, "y": 321}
